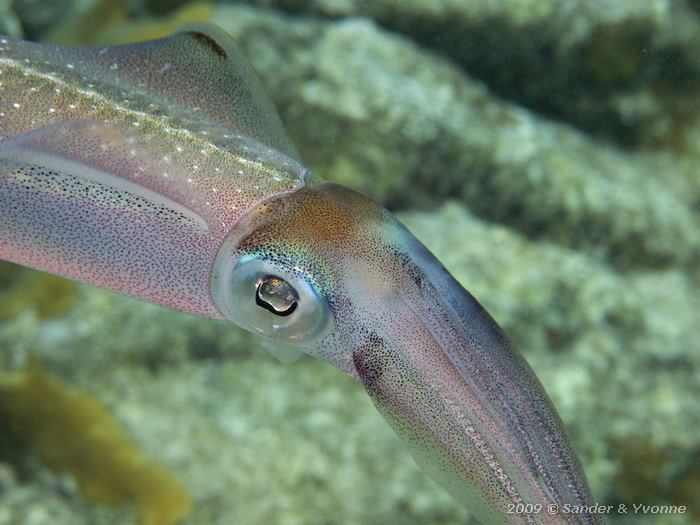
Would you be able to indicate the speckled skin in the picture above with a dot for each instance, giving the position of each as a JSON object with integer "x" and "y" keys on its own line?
{"x": 108, "y": 175}
{"x": 115, "y": 171}
{"x": 436, "y": 365}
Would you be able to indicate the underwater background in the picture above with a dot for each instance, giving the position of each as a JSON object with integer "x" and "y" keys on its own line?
{"x": 547, "y": 151}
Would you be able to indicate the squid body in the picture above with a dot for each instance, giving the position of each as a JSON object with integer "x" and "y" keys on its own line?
{"x": 160, "y": 170}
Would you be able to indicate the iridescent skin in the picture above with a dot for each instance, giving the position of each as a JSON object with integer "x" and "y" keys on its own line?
{"x": 154, "y": 169}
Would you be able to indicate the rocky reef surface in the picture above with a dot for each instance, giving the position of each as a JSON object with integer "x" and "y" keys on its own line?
{"x": 546, "y": 152}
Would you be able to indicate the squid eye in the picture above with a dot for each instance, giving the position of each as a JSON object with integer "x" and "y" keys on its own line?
{"x": 271, "y": 299}
{"x": 276, "y": 295}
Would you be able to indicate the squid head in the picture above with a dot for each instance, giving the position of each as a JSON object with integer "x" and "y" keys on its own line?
{"x": 329, "y": 272}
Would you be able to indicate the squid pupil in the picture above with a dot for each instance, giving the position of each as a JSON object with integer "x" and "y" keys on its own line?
{"x": 276, "y": 295}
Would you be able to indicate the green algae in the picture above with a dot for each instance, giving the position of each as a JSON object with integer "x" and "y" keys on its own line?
{"x": 21, "y": 288}
{"x": 9, "y": 23}
{"x": 685, "y": 482}
{"x": 86, "y": 21}
{"x": 155, "y": 27}
{"x": 74, "y": 434}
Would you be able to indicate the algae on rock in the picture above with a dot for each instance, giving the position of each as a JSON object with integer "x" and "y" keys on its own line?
{"x": 626, "y": 70}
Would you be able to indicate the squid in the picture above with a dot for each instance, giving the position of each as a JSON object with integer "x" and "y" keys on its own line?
{"x": 162, "y": 171}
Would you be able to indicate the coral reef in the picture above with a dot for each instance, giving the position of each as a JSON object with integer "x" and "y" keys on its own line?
{"x": 626, "y": 70}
